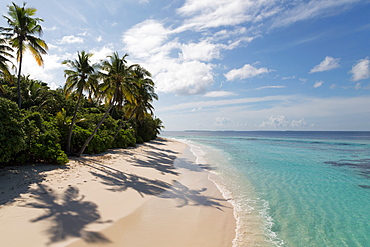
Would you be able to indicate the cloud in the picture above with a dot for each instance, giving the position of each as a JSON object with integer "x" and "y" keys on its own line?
{"x": 305, "y": 10}
{"x": 221, "y": 121}
{"x": 71, "y": 39}
{"x": 288, "y": 77}
{"x": 318, "y": 84}
{"x": 247, "y": 71}
{"x": 329, "y": 63}
{"x": 267, "y": 87}
{"x": 217, "y": 94}
{"x": 184, "y": 78}
{"x": 51, "y": 72}
{"x": 279, "y": 121}
{"x": 145, "y": 38}
{"x": 203, "y": 51}
{"x": 214, "y": 13}
{"x": 361, "y": 70}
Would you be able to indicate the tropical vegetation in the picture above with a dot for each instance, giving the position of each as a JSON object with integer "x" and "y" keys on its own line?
{"x": 101, "y": 106}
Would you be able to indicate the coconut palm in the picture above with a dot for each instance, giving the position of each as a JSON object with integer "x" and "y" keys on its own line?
{"x": 5, "y": 54}
{"x": 116, "y": 87}
{"x": 21, "y": 36}
{"x": 80, "y": 77}
{"x": 144, "y": 94}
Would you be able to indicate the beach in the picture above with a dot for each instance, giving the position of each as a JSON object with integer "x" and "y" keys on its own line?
{"x": 151, "y": 195}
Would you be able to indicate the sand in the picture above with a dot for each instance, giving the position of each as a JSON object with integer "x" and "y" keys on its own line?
{"x": 151, "y": 195}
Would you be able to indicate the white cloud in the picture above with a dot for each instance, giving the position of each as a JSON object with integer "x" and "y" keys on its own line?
{"x": 101, "y": 53}
{"x": 267, "y": 87}
{"x": 203, "y": 51}
{"x": 150, "y": 44}
{"x": 217, "y": 94}
{"x": 361, "y": 70}
{"x": 99, "y": 39}
{"x": 288, "y": 77}
{"x": 221, "y": 121}
{"x": 329, "y": 63}
{"x": 213, "y": 13}
{"x": 247, "y": 71}
{"x": 145, "y": 38}
{"x": 304, "y": 10}
{"x": 279, "y": 121}
{"x": 51, "y": 72}
{"x": 318, "y": 84}
{"x": 191, "y": 77}
{"x": 71, "y": 39}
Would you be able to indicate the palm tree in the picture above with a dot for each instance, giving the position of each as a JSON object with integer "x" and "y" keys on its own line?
{"x": 144, "y": 95}
{"x": 4, "y": 56}
{"x": 116, "y": 86}
{"x": 21, "y": 36}
{"x": 81, "y": 77}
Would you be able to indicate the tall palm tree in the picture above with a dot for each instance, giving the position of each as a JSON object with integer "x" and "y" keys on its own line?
{"x": 116, "y": 86}
{"x": 80, "y": 77}
{"x": 21, "y": 36}
{"x": 5, "y": 54}
{"x": 144, "y": 94}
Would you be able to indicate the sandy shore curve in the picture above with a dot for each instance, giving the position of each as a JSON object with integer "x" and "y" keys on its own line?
{"x": 151, "y": 195}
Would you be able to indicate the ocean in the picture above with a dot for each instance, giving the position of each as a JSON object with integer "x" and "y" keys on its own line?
{"x": 290, "y": 188}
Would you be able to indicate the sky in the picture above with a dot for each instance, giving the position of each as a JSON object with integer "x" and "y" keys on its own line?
{"x": 225, "y": 64}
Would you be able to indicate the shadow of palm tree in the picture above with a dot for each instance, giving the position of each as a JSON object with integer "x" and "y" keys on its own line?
{"x": 120, "y": 181}
{"x": 69, "y": 213}
{"x": 191, "y": 166}
{"x": 186, "y": 196}
{"x": 159, "y": 161}
{"x": 16, "y": 180}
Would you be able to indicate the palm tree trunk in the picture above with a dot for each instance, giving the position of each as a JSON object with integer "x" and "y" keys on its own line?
{"x": 96, "y": 129}
{"x": 19, "y": 75}
{"x": 68, "y": 149}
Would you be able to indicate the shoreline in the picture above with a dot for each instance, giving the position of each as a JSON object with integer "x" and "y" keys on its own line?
{"x": 117, "y": 198}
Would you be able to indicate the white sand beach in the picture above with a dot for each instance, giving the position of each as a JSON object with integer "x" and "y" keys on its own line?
{"x": 151, "y": 195}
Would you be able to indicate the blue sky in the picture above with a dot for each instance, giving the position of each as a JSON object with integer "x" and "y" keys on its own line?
{"x": 226, "y": 64}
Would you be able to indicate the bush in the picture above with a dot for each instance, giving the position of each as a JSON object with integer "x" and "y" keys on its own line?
{"x": 124, "y": 139}
{"x": 43, "y": 141}
{"x": 11, "y": 130}
{"x": 101, "y": 142}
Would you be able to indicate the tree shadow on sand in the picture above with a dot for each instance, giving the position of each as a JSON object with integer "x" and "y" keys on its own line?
{"x": 157, "y": 160}
{"x": 185, "y": 196}
{"x": 16, "y": 180}
{"x": 69, "y": 213}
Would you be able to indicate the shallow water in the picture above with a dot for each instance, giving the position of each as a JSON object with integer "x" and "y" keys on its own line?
{"x": 291, "y": 188}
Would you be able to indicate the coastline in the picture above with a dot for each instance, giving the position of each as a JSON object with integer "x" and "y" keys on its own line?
{"x": 152, "y": 195}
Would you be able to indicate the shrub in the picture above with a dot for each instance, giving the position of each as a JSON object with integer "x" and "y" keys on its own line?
{"x": 124, "y": 139}
{"x": 11, "y": 130}
{"x": 101, "y": 142}
{"x": 43, "y": 141}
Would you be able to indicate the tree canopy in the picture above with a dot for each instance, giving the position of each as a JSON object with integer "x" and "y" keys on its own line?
{"x": 101, "y": 106}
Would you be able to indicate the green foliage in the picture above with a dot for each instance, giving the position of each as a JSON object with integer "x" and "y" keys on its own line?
{"x": 101, "y": 142}
{"x": 43, "y": 140}
{"x": 124, "y": 139}
{"x": 40, "y": 130}
{"x": 11, "y": 130}
{"x": 148, "y": 129}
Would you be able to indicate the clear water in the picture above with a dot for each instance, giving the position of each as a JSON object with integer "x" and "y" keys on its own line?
{"x": 291, "y": 188}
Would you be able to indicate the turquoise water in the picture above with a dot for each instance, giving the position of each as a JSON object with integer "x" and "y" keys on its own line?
{"x": 291, "y": 188}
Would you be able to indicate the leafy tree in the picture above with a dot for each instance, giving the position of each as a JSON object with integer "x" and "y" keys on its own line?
{"x": 80, "y": 77}
{"x": 11, "y": 130}
{"x": 21, "y": 36}
{"x": 116, "y": 87}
